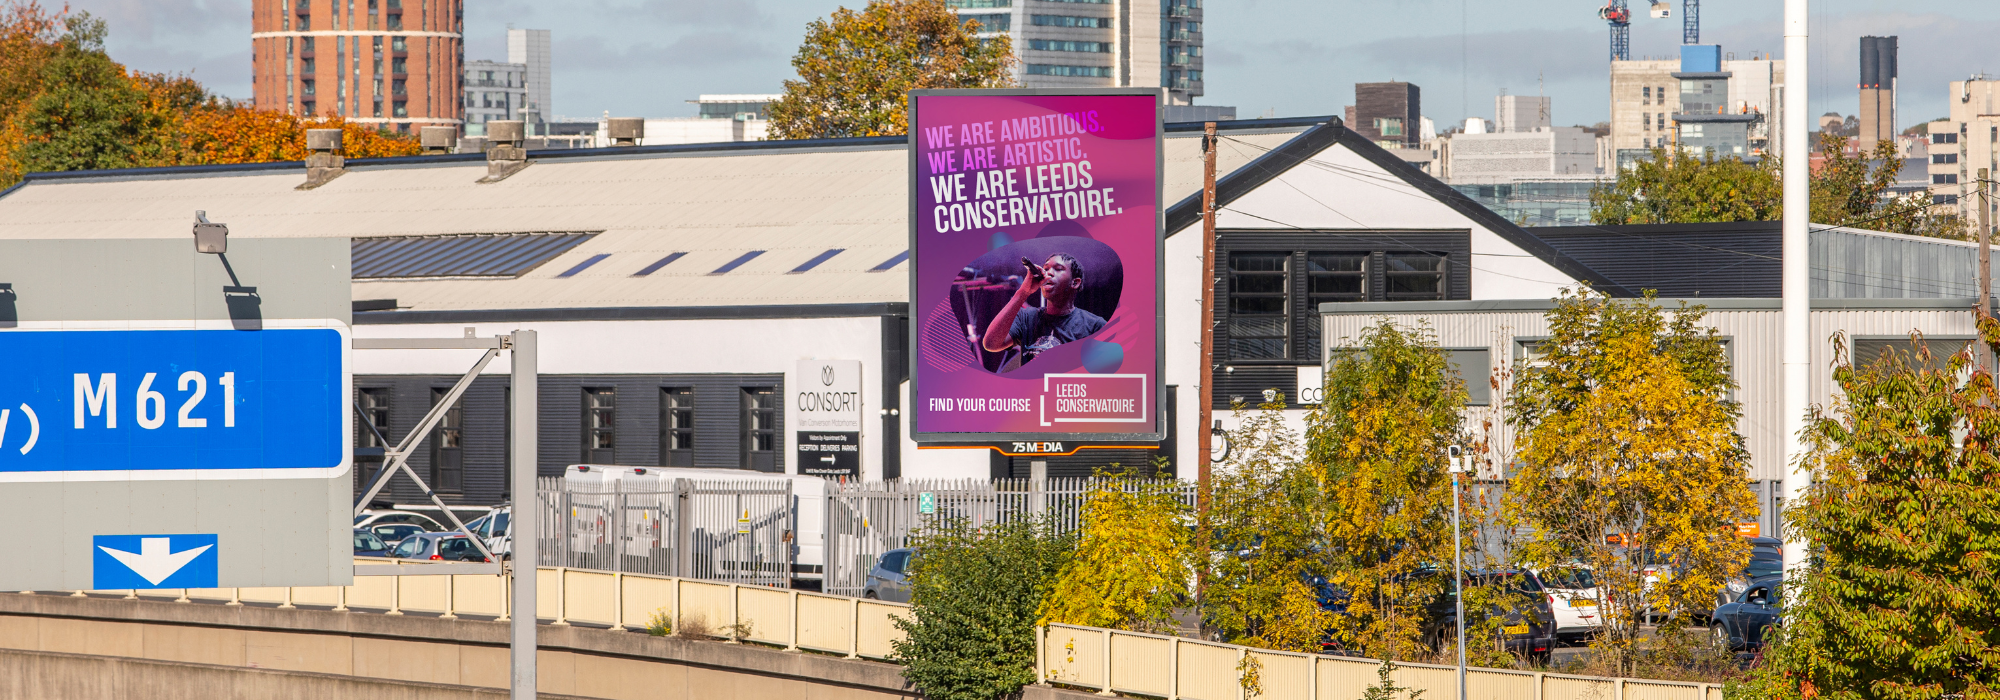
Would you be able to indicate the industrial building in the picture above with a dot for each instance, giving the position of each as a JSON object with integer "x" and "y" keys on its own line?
{"x": 493, "y": 91}
{"x": 1131, "y": 43}
{"x": 383, "y": 62}
{"x": 1878, "y": 90}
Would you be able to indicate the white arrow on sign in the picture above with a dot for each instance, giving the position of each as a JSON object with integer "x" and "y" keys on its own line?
{"x": 154, "y": 562}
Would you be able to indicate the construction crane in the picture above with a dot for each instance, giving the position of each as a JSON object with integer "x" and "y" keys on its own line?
{"x": 1619, "y": 17}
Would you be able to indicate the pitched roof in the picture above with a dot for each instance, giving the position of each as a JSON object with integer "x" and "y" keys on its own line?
{"x": 708, "y": 204}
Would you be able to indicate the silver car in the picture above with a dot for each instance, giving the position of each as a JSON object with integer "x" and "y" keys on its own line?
{"x": 889, "y": 578}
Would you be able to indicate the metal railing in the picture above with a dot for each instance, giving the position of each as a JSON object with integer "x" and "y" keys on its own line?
{"x": 738, "y": 531}
{"x": 1113, "y": 661}
{"x": 866, "y": 519}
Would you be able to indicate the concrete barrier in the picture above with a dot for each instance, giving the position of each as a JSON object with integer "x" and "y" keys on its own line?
{"x": 188, "y": 650}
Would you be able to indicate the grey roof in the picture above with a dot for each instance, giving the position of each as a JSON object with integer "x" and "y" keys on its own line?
{"x": 707, "y": 204}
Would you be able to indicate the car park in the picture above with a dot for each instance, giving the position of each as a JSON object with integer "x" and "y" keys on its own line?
{"x": 1744, "y": 622}
{"x": 369, "y": 518}
{"x": 1574, "y": 600}
{"x": 1527, "y": 627}
{"x": 438, "y": 546}
{"x": 393, "y": 533}
{"x": 367, "y": 544}
{"x": 889, "y": 579}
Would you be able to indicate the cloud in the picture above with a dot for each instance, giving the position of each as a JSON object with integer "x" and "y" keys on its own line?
{"x": 695, "y": 50}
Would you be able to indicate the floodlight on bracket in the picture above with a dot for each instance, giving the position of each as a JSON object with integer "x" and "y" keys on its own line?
{"x": 209, "y": 237}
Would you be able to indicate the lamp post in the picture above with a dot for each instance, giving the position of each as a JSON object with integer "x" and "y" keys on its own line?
{"x": 1458, "y": 466}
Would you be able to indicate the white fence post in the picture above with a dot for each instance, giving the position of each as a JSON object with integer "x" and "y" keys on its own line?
{"x": 1041, "y": 655}
{"x": 854, "y": 628}
{"x": 618, "y": 601}
{"x": 562, "y": 600}
{"x": 450, "y": 598}
{"x": 1618, "y": 689}
{"x": 288, "y": 600}
{"x": 395, "y": 596}
{"x": 235, "y": 596}
{"x": 1106, "y": 651}
{"x": 735, "y": 615}
{"x": 1243, "y": 693}
{"x": 1174, "y": 669}
{"x": 1541, "y": 682}
{"x": 506, "y": 599}
{"x": 792, "y": 641}
{"x": 340, "y": 604}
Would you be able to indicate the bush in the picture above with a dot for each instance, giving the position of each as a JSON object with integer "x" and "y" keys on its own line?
{"x": 975, "y": 596}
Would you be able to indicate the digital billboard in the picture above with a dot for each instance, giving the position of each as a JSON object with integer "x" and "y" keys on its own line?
{"x": 1035, "y": 242}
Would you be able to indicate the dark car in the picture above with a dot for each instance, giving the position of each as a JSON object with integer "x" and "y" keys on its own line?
{"x": 366, "y": 544}
{"x": 1527, "y": 625}
{"x": 438, "y": 546}
{"x": 889, "y": 578}
{"x": 1743, "y": 622}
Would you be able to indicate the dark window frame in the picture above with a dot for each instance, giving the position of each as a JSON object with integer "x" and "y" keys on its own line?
{"x": 761, "y": 442}
{"x": 677, "y": 426}
{"x": 448, "y": 445}
{"x": 600, "y": 425}
{"x": 378, "y": 413}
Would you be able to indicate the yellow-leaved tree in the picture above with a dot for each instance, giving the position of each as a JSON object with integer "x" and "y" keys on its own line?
{"x": 856, "y": 69}
{"x": 1133, "y": 562}
{"x": 1630, "y": 463}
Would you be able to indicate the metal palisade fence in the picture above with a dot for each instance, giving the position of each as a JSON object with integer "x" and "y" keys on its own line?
{"x": 865, "y": 519}
{"x": 723, "y": 530}
{"x": 763, "y": 532}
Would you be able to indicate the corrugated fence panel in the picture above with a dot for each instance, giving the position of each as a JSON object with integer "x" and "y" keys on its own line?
{"x": 765, "y": 614}
{"x": 1345, "y": 678}
{"x": 1139, "y": 663}
{"x": 878, "y": 631}
{"x": 826, "y": 623}
{"x": 1575, "y": 688}
{"x": 1283, "y": 675}
{"x": 1208, "y": 671}
{"x": 1074, "y": 655}
{"x": 1483, "y": 684}
{"x": 705, "y": 605}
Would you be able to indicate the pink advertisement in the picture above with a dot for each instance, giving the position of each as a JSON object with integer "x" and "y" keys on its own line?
{"x": 1035, "y": 246}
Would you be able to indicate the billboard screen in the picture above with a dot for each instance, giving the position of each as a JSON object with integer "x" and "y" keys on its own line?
{"x": 1036, "y": 262}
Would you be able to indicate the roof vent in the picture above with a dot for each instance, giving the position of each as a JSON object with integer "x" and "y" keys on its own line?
{"x": 324, "y": 163}
{"x": 438, "y": 140}
{"x": 506, "y": 155}
{"x": 626, "y": 131}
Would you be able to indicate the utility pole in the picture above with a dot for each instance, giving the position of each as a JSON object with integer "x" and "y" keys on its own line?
{"x": 1459, "y": 464}
{"x": 1796, "y": 280}
{"x": 1204, "y": 430}
{"x": 1985, "y": 252}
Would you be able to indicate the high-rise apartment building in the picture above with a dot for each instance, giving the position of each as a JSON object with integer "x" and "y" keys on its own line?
{"x": 530, "y": 48}
{"x": 388, "y": 62}
{"x": 1963, "y": 144}
{"x": 1099, "y": 43}
{"x": 1388, "y": 114}
{"x": 493, "y": 90}
{"x": 1878, "y": 90}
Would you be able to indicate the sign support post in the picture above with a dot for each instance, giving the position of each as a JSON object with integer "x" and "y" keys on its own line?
{"x": 527, "y": 516}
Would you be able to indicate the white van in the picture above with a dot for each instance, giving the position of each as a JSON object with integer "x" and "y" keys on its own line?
{"x": 644, "y": 532}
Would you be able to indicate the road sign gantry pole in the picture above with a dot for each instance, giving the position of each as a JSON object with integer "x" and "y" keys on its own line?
{"x": 1796, "y": 284}
{"x": 525, "y": 394}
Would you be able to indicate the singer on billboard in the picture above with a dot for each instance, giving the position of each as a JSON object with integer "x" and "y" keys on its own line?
{"x": 1058, "y": 321}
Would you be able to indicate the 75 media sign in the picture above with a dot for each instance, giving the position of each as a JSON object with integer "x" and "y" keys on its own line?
{"x": 1036, "y": 264}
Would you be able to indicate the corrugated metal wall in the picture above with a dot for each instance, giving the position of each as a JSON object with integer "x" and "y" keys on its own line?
{"x": 718, "y": 424}
{"x": 1851, "y": 265}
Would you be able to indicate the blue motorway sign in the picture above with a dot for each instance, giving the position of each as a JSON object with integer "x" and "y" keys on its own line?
{"x": 98, "y": 404}
{"x": 120, "y": 562}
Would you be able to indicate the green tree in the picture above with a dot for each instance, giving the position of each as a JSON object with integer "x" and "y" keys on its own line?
{"x": 1903, "y": 513}
{"x": 1669, "y": 189}
{"x": 1263, "y": 529}
{"x": 856, "y": 69}
{"x": 87, "y": 114}
{"x": 1848, "y": 191}
{"x": 1376, "y": 450}
{"x": 1133, "y": 561}
{"x": 1629, "y": 455}
{"x": 975, "y": 598}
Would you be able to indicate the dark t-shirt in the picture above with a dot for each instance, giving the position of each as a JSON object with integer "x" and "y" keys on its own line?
{"x": 1036, "y": 332}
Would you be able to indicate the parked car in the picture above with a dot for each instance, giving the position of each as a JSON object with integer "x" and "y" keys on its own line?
{"x": 494, "y": 528}
{"x": 1574, "y": 600}
{"x": 394, "y": 517}
{"x": 367, "y": 544}
{"x": 889, "y": 578}
{"x": 438, "y": 546}
{"x": 1528, "y": 626}
{"x": 393, "y": 533}
{"x": 1742, "y": 623}
{"x": 1761, "y": 565}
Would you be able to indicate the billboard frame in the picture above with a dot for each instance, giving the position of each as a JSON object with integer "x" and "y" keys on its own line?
{"x": 1158, "y": 399}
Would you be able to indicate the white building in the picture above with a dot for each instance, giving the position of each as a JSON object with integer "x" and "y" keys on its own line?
{"x": 1507, "y": 156}
{"x": 530, "y": 49}
{"x": 720, "y": 119}
{"x": 493, "y": 90}
{"x": 1132, "y": 43}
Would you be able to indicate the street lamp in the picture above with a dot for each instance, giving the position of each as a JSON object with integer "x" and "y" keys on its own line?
{"x": 1459, "y": 465}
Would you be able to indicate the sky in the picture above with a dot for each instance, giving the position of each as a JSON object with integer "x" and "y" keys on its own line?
{"x": 1278, "y": 57}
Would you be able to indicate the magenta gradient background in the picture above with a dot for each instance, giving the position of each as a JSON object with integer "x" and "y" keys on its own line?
{"x": 1124, "y": 156}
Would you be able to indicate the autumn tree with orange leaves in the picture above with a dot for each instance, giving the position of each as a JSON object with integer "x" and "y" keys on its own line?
{"x": 65, "y": 105}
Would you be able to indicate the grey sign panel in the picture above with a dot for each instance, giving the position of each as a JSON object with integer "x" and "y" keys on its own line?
{"x": 174, "y": 419}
